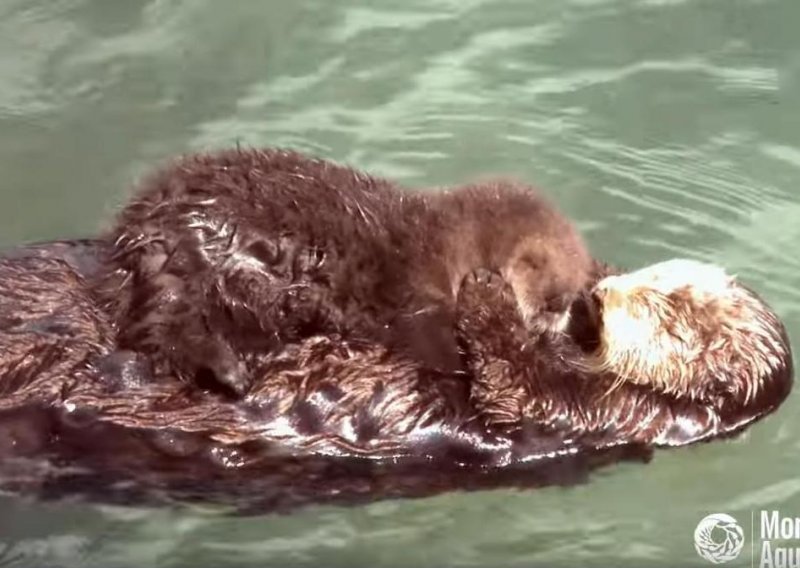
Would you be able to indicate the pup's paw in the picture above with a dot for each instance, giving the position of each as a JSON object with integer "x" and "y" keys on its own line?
{"x": 487, "y": 315}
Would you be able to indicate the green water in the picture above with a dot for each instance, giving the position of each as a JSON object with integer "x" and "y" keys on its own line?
{"x": 664, "y": 127}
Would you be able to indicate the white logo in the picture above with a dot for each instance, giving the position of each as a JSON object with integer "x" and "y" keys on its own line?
{"x": 718, "y": 538}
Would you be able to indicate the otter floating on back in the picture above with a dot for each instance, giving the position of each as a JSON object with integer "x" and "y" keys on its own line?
{"x": 237, "y": 253}
{"x": 328, "y": 419}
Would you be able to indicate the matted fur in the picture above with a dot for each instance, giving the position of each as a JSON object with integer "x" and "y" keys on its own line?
{"x": 244, "y": 251}
{"x": 326, "y": 418}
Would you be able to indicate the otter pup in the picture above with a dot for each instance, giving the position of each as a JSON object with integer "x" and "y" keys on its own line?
{"x": 223, "y": 256}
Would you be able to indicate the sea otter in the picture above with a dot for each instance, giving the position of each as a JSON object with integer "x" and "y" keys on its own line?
{"x": 345, "y": 420}
{"x": 272, "y": 246}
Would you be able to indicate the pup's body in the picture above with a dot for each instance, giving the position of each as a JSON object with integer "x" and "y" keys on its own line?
{"x": 225, "y": 255}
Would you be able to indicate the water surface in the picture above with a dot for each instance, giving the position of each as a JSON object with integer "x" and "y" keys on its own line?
{"x": 663, "y": 127}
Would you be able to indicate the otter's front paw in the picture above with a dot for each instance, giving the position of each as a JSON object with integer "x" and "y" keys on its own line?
{"x": 487, "y": 317}
{"x": 230, "y": 374}
{"x": 211, "y": 364}
{"x": 486, "y": 299}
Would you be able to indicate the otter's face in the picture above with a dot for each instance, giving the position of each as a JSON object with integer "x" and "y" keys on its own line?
{"x": 687, "y": 328}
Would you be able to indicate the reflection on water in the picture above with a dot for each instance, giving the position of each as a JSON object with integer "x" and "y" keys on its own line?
{"x": 664, "y": 127}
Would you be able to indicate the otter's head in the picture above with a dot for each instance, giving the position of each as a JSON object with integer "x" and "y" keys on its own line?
{"x": 688, "y": 328}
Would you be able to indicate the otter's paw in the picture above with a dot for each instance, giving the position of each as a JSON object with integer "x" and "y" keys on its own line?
{"x": 486, "y": 297}
{"x": 209, "y": 363}
{"x": 228, "y": 373}
{"x": 487, "y": 317}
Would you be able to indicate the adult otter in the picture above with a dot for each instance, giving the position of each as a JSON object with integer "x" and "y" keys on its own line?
{"x": 272, "y": 246}
{"x": 527, "y": 412}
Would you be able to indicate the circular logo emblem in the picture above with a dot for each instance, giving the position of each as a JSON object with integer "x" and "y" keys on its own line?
{"x": 718, "y": 538}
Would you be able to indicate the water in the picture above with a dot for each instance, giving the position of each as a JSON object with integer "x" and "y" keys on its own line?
{"x": 664, "y": 127}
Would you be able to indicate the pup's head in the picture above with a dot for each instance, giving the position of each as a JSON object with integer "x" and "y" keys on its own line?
{"x": 547, "y": 274}
{"x": 688, "y": 328}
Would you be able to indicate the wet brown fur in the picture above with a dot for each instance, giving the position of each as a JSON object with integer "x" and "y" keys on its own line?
{"x": 58, "y": 333}
{"x": 237, "y": 253}
{"x": 523, "y": 407}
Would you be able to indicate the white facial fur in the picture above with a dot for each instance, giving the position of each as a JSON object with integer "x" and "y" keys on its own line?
{"x": 670, "y": 275}
{"x": 681, "y": 324}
